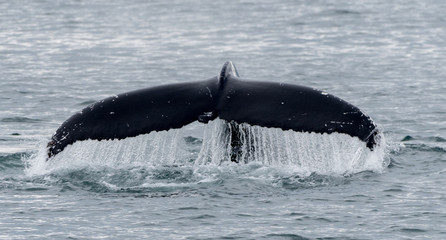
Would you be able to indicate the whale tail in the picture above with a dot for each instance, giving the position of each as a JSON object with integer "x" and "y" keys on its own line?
{"x": 226, "y": 96}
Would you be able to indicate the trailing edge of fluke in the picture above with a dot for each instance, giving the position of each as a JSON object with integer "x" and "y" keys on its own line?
{"x": 265, "y": 104}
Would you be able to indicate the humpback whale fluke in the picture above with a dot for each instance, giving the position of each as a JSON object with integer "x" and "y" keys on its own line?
{"x": 226, "y": 96}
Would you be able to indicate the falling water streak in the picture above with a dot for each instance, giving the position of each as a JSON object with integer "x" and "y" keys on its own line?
{"x": 302, "y": 152}
{"x": 307, "y": 152}
{"x": 156, "y": 148}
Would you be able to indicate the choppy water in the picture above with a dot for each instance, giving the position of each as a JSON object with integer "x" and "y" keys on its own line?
{"x": 386, "y": 57}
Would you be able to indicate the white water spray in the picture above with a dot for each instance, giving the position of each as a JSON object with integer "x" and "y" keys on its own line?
{"x": 334, "y": 153}
{"x": 303, "y": 153}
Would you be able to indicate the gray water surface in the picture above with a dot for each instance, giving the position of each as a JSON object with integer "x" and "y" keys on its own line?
{"x": 386, "y": 57}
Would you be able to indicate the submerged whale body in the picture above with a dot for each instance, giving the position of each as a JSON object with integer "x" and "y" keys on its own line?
{"x": 265, "y": 104}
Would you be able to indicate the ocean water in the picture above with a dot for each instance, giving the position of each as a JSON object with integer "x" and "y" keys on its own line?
{"x": 386, "y": 57}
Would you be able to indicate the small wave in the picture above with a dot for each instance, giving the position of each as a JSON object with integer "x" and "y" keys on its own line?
{"x": 407, "y": 138}
{"x": 436, "y": 139}
{"x": 345, "y": 12}
{"x": 434, "y": 144}
{"x": 20, "y": 120}
{"x": 314, "y": 180}
{"x": 285, "y": 236}
{"x": 413, "y": 230}
{"x": 12, "y": 161}
{"x": 423, "y": 147}
{"x": 221, "y": 181}
{"x": 393, "y": 163}
{"x": 426, "y": 139}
